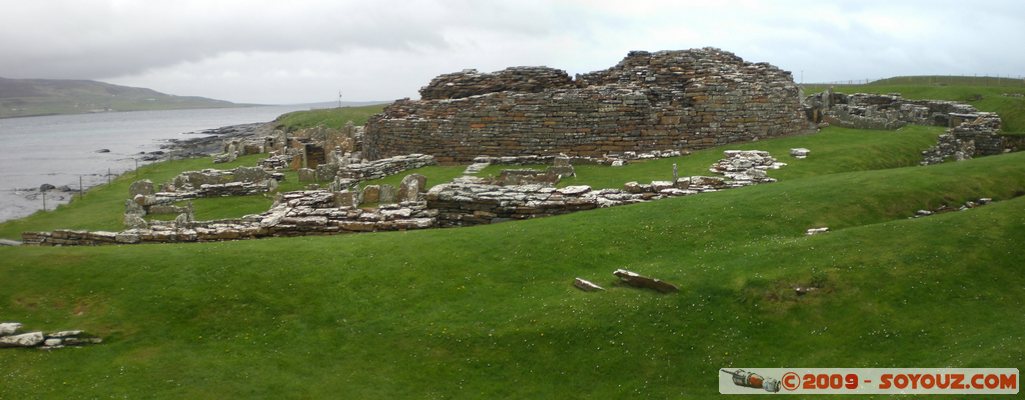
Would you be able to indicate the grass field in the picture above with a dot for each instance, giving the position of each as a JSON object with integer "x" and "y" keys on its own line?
{"x": 489, "y": 312}
{"x": 985, "y": 93}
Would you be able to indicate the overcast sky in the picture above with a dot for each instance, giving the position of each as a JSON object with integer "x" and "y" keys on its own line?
{"x": 300, "y": 51}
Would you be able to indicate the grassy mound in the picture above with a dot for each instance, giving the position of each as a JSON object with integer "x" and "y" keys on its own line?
{"x": 489, "y": 312}
{"x": 985, "y": 93}
{"x": 330, "y": 117}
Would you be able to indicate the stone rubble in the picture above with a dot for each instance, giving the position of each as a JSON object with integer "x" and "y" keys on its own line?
{"x": 9, "y": 337}
{"x": 945, "y": 208}
{"x": 746, "y": 167}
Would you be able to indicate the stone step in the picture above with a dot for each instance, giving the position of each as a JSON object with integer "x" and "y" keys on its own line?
{"x": 475, "y": 168}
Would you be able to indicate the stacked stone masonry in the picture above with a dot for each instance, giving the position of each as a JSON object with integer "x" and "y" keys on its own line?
{"x": 472, "y": 83}
{"x": 672, "y": 100}
{"x": 975, "y": 138}
{"x": 884, "y": 111}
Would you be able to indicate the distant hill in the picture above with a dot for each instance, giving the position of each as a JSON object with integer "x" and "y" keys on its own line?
{"x": 27, "y": 97}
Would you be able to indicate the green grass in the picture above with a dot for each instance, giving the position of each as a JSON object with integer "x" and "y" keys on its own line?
{"x": 330, "y": 117}
{"x": 986, "y": 94}
{"x": 488, "y": 312}
{"x": 832, "y": 150}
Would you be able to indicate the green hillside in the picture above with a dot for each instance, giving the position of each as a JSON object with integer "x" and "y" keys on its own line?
{"x": 330, "y": 117}
{"x": 1003, "y": 96}
{"x": 489, "y": 312}
{"x": 27, "y": 97}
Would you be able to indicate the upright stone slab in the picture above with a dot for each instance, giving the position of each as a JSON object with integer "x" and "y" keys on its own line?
{"x": 372, "y": 194}
{"x": 387, "y": 194}
{"x": 307, "y": 175}
{"x": 411, "y": 187}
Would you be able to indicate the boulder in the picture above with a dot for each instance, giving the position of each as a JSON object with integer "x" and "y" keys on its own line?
{"x": 31, "y": 339}
{"x": 135, "y": 221}
{"x": 46, "y": 186}
{"x": 8, "y": 328}
{"x": 799, "y": 152}
{"x": 141, "y": 187}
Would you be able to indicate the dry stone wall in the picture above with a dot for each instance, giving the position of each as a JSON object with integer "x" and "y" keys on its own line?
{"x": 975, "y": 138}
{"x": 354, "y": 173}
{"x": 884, "y": 111}
{"x": 671, "y": 100}
{"x": 518, "y": 79}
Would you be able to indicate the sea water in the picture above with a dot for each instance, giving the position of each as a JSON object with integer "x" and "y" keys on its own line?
{"x": 61, "y": 149}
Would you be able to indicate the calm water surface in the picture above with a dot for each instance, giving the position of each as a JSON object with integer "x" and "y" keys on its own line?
{"x": 59, "y": 149}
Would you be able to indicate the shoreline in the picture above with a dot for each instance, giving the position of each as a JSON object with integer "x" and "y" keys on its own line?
{"x": 206, "y": 143}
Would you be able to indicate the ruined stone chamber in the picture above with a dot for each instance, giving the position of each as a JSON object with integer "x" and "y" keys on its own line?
{"x": 668, "y": 100}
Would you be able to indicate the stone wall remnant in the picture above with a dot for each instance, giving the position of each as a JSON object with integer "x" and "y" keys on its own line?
{"x": 350, "y": 175}
{"x": 688, "y": 99}
{"x": 884, "y": 111}
{"x": 974, "y": 138}
{"x": 469, "y": 82}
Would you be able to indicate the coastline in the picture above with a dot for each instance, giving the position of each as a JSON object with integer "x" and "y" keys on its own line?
{"x": 204, "y": 144}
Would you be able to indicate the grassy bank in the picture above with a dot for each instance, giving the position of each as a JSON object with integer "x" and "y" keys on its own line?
{"x": 489, "y": 312}
{"x": 330, "y": 117}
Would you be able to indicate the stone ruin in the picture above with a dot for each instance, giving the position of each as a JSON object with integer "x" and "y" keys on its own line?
{"x": 974, "y": 138}
{"x": 9, "y": 337}
{"x": 473, "y": 201}
{"x": 971, "y": 133}
{"x": 463, "y": 202}
{"x": 884, "y": 111}
{"x": 675, "y": 100}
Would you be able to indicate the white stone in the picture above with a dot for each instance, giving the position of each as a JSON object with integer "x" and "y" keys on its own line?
{"x": 574, "y": 190}
{"x": 8, "y": 328}
{"x": 24, "y": 340}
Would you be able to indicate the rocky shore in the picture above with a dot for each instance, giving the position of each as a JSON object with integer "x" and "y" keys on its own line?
{"x": 201, "y": 144}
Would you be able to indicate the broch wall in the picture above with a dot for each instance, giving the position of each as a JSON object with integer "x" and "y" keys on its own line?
{"x": 688, "y": 99}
